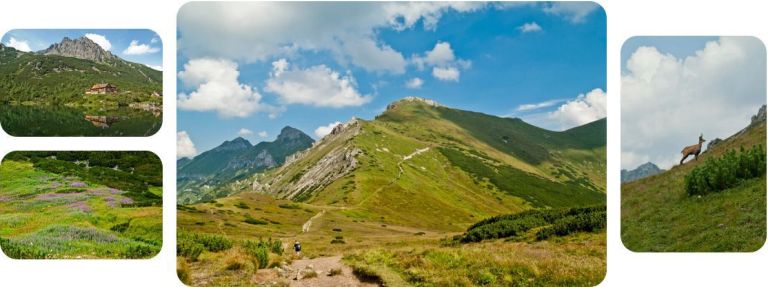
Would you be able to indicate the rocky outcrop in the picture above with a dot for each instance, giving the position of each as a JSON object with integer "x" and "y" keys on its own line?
{"x": 406, "y": 100}
{"x": 309, "y": 175}
{"x": 81, "y": 48}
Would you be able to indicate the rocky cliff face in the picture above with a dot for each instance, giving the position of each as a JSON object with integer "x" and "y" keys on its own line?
{"x": 338, "y": 160}
{"x": 81, "y": 48}
{"x": 755, "y": 120}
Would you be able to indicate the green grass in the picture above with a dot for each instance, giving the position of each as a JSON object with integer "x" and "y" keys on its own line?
{"x": 44, "y": 217}
{"x": 657, "y": 215}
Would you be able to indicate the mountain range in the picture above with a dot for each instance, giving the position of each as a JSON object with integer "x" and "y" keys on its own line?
{"x": 445, "y": 166}
{"x": 232, "y": 161}
{"x": 65, "y": 70}
{"x": 644, "y": 170}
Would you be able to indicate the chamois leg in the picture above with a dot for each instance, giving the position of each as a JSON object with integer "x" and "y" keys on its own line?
{"x": 684, "y": 157}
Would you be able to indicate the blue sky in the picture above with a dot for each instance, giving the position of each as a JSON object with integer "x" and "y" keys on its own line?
{"x": 135, "y": 45}
{"x": 675, "y": 89}
{"x": 528, "y": 60}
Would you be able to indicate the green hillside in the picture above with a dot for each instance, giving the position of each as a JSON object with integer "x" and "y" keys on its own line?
{"x": 58, "y": 79}
{"x": 388, "y": 194}
{"x": 657, "y": 214}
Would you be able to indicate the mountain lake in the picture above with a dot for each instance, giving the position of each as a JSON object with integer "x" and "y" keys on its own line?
{"x": 45, "y": 121}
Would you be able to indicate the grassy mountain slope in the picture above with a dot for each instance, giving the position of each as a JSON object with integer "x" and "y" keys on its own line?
{"x": 55, "y": 79}
{"x": 386, "y": 193}
{"x": 657, "y": 215}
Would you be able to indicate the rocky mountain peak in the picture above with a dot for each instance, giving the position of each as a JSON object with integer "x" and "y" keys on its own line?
{"x": 235, "y": 144}
{"x": 290, "y": 133}
{"x": 81, "y": 48}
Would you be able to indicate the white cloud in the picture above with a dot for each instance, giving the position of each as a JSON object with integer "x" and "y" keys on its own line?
{"x": 268, "y": 30}
{"x": 184, "y": 145}
{"x": 316, "y": 86}
{"x": 18, "y": 45}
{"x": 414, "y": 83}
{"x": 446, "y": 74}
{"x": 445, "y": 65}
{"x": 530, "y": 27}
{"x": 668, "y": 101}
{"x": 583, "y": 109}
{"x": 100, "y": 40}
{"x": 216, "y": 88}
{"x": 154, "y": 40}
{"x": 536, "y": 106}
{"x": 575, "y": 12}
{"x": 140, "y": 49}
{"x": 263, "y": 134}
{"x": 155, "y": 67}
{"x": 322, "y": 131}
{"x": 243, "y": 132}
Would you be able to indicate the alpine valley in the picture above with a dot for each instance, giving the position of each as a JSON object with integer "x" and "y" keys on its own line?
{"x": 422, "y": 195}
{"x": 76, "y": 88}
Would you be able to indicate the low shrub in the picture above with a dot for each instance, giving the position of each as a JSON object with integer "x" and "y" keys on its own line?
{"x": 250, "y": 220}
{"x": 726, "y": 171}
{"x": 289, "y": 206}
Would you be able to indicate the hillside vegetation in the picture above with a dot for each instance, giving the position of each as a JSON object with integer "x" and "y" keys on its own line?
{"x": 80, "y": 205}
{"x": 54, "y": 79}
{"x": 397, "y": 196}
{"x": 723, "y": 209}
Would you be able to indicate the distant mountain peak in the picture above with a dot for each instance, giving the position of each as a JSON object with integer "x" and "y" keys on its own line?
{"x": 644, "y": 170}
{"x": 291, "y": 133}
{"x": 81, "y": 48}
{"x": 237, "y": 143}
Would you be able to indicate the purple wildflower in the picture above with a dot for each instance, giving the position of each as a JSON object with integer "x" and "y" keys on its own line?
{"x": 77, "y": 184}
{"x": 80, "y": 205}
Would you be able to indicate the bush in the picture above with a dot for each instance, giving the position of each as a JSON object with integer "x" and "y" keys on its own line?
{"x": 121, "y": 227}
{"x": 561, "y": 222}
{"x": 289, "y": 206}
{"x": 209, "y": 242}
{"x": 259, "y": 253}
{"x": 188, "y": 248}
{"x": 241, "y": 205}
{"x": 726, "y": 171}
{"x": 334, "y": 272}
{"x": 250, "y": 220}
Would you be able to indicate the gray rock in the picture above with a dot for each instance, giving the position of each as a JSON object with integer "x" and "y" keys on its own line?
{"x": 81, "y": 48}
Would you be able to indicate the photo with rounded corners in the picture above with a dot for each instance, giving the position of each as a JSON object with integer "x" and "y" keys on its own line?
{"x": 81, "y": 82}
{"x": 693, "y": 137}
{"x": 81, "y": 205}
{"x": 391, "y": 144}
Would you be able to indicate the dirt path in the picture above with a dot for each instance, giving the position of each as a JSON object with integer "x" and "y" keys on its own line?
{"x": 305, "y": 227}
{"x": 400, "y": 172}
{"x": 322, "y": 266}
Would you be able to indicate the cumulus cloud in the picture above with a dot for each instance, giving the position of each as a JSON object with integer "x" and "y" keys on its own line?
{"x": 100, "y": 40}
{"x": 668, "y": 101}
{"x": 573, "y": 112}
{"x": 414, "y": 83}
{"x": 268, "y": 30}
{"x": 446, "y": 74}
{"x": 530, "y": 27}
{"x": 583, "y": 109}
{"x": 18, "y": 45}
{"x": 445, "y": 65}
{"x": 216, "y": 88}
{"x": 140, "y": 49}
{"x": 322, "y": 131}
{"x": 263, "y": 134}
{"x": 184, "y": 145}
{"x": 317, "y": 86}
{"x": 575, "y": 12}
{"x": 243, "y": 132}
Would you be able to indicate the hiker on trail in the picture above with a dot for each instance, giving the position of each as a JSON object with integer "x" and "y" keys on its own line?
{"x": 297, "y": 248}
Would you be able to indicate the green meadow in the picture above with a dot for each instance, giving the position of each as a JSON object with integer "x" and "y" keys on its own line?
{"x": 56, "y": 205}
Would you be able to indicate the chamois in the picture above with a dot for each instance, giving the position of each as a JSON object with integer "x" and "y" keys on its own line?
{"x": 694, "y": 150}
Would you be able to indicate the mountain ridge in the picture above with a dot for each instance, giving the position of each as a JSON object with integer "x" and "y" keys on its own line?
{"x": 81, "y": 48}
